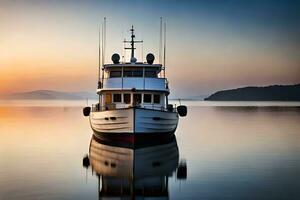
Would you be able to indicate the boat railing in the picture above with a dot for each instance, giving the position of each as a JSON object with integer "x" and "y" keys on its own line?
{"x": 143, "y": 83}
{"x": 97, "y": 107}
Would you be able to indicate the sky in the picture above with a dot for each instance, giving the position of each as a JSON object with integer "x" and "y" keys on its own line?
{"x": 211, "y": 45}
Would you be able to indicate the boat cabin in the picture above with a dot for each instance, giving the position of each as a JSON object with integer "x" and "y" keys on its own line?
{"x": 128, "y": 84}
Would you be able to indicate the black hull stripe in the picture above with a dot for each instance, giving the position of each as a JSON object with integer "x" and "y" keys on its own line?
{"x": 133, "y": 141}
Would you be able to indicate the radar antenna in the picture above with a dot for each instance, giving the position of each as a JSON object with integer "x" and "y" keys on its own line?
{"x": 132, "y": 41}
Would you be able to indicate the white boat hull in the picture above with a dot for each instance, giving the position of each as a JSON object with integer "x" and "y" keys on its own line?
{"x": 134, "y": 121}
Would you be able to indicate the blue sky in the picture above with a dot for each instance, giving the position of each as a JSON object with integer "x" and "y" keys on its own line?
{"x": 211, "y": 45}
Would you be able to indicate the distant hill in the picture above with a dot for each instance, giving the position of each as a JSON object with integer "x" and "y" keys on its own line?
{"x": 192, "y": 98}
{"x": 269, "y": 93}
{"x": 51, "y": 95}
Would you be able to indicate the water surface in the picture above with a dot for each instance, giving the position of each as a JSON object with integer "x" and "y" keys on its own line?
{"x": 232, "y": 151}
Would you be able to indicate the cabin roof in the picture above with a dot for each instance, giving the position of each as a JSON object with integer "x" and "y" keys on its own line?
{"x": 132, "y": 65}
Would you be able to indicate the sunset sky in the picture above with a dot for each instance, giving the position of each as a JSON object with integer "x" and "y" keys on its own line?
{"x": 211, "y": 45}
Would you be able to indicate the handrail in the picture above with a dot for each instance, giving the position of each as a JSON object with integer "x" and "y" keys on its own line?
{"x": 136, "y": 82}
{"x": 97, "y": 107}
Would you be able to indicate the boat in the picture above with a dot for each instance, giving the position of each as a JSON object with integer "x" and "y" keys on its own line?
{"x": 139, "y": 172}
{"x": 133, "y": 97}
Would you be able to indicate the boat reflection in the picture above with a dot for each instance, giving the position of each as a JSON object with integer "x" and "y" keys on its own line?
{"x": 134, "y": 172}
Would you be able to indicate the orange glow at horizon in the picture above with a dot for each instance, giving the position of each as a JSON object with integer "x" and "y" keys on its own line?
{"x": 55, "y": 47}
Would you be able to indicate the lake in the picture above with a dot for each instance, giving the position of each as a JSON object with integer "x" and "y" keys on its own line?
{"x": 231, "y": 150}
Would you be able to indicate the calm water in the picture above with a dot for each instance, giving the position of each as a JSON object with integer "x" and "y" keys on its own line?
{"x": 231, "y": 150}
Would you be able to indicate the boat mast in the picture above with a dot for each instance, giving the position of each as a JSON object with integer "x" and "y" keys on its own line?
{"x": 132, "y": 41}
{"x": 99, "y": 61}
{"x": 164, "y": 62}
{"x": 165, "y": 43}
{"x": 101, "y": 51}
{"x": 104, "y": 39}
{"x": 160, "y": 41}
{"x": 103, "y": 46}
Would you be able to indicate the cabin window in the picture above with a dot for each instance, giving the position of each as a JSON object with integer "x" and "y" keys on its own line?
{"x": 127, "y": 73}
{"x": 137, "y": 99}
{"x": 133, "y": 73}
{"x": 150, "y": 73}
{"x": 117, "y": 98}
{"x": 156, "y": 98}
{"x": 127, "y": 98}
{"x": 147, "y": 98}
{"x": 115, "y": 74}
{"x": 137, "y": 73}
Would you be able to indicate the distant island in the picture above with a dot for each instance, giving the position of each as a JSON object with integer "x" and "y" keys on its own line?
{"x": 268, "y": 93}
{"x": 50, "y": 95}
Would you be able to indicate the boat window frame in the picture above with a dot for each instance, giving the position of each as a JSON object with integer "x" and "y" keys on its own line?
{"x": 150, "y": 98}
{"x": 118, "y": 69}
{"x": 127, "y": 72}
{"x": 113, "y": 98}
{"x": 137, "y": 73}
{"x": 156, "y": 95}
{"x": 132, "y": 72}
{"x": 133, "y": 98}
{"x": 129, "y": 94}
{"x": 150, "y": 70}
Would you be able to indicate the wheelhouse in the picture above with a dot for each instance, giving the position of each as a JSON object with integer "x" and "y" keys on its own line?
{"x": 128, "y": 84}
